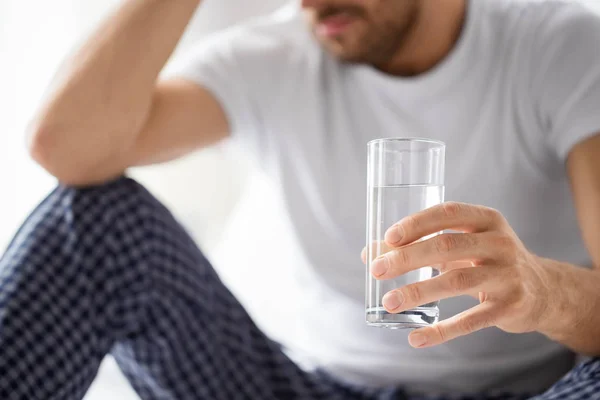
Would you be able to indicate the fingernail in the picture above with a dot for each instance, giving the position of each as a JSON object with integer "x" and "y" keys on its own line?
{"x": 394, "y": 234}
{"x": 417, "y": 340}
{"x": 392, "y": 301}
{"x": 380, "y": 266}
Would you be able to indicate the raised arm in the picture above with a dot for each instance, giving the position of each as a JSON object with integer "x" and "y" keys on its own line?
{"x": 107, "y": 112}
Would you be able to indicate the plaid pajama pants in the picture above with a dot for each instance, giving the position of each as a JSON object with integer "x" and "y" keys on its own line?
{"x": 108, "y": 269}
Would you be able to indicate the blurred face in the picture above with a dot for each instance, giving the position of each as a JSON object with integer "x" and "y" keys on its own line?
{"x": 362, "y": 31}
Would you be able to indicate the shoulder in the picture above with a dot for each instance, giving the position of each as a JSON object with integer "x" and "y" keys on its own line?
{"x": 550, "y": 23}
{"x": 569, "y": 24}
{"x": 565, "y": 43}
{"x": 542, "y": 40}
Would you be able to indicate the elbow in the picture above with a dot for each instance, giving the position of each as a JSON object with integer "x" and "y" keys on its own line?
{"x": 37, "y": 137}
{"x": 51, "y": 151}
{"x": 41, "y": 143}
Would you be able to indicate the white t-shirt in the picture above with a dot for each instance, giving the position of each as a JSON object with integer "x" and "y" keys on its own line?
{"x": 521, "y": 87}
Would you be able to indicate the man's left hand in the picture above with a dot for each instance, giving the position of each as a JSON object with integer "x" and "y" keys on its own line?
{"x": 487, "y": 261}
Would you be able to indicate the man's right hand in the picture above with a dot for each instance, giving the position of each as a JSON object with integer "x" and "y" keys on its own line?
{"x": 107, "y": 112}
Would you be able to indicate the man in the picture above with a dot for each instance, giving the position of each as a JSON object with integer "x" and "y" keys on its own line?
{"x": 512, "y": 87}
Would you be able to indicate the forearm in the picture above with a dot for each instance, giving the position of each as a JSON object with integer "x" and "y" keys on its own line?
{"x": 102, "y": 97}
{"x": 573, "y": 316}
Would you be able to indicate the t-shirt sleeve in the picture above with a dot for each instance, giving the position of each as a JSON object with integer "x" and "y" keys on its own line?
{"x": 567, "y": 78}
{"x": 226, "y": 65}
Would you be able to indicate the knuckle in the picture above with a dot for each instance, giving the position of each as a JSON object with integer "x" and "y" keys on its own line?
{"x": 459, "y": 281}
{"x": 506, "y": 244}
{"x": 446, "y": 243}
{"x": 471, "y": 240}
{"x": 452, "y": 209}
{"x": 401, "y": 258}
{"x": 492, "y": 214}
{"x": 410, "y": 224}
{"x": 412, "y": 294}
{"x": 519, "y": 305}
{"x": 441, "y": 332}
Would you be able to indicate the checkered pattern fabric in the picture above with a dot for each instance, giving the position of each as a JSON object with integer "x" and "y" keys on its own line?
{"x": 108, "y": 269}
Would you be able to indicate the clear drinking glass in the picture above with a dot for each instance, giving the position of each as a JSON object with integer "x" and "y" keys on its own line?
{"x": 404, "y": 176}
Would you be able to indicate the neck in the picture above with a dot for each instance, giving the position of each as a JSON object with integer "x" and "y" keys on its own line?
{"x": 432, "y": 37}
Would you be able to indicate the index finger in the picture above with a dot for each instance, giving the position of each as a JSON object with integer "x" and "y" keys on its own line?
{"x": 457, "y": 216}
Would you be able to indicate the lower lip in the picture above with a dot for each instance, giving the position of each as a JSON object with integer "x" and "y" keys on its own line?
{"x": 333, "y": 28}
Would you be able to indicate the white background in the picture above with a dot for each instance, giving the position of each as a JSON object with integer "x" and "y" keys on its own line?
{"x": 202, "y": 189}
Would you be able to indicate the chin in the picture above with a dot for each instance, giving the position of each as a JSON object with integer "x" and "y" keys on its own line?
{"x": 347, "y": 55}
{"x": 344, "y": 51}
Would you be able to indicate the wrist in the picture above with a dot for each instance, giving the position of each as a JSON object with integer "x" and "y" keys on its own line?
{"x": 571, "y": 300}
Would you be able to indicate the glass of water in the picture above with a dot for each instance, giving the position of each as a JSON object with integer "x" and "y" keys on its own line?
{"x": 404, "y": 176}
